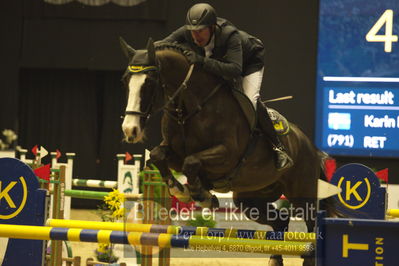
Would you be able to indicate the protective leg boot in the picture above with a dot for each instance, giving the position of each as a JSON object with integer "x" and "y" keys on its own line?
{"x": 283, "y": 160}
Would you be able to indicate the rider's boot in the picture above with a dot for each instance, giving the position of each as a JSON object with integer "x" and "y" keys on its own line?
{"x": 283, "y": 160}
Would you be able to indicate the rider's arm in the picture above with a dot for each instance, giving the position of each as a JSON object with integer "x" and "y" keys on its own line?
{"x": 230, "y": 66}
{"x": 176, "y": 36}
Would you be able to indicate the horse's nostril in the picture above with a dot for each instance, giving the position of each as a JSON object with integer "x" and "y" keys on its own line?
{"x": 134, "y": 132}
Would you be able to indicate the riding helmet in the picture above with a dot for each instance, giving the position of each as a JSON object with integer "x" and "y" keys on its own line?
{"x": 200, "y": 16}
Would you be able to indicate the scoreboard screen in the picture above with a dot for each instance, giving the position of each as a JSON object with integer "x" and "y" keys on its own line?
{"x": 357, "y": 97}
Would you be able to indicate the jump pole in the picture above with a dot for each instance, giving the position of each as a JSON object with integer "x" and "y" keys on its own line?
{"x": 157, "y": 240}
{"x": 59, "y": 194}
{"x": 97, "y": 195}
{"x": 151, "y": 181}
{"x": 94, "y": 183}
{"x": 57, "y": 210}
{"x": 185, "y": 230}
{"x": 393, "y": 213}
{"x": 33, "y": 163}
{"x": 68, "y": 175}
{"x": 127, "y": 178}
{"x": 123, "y": 170}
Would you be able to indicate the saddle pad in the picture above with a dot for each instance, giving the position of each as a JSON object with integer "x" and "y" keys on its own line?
{"x": 246, "y": 107}
{"x": 280, "y": 123}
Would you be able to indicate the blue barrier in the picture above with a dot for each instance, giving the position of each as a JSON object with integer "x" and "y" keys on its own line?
{"x": 23, "y": 203}
{"x": 339, "y": 242}
{"x": 357, "y": 242}
{"x": 361, "y": 195}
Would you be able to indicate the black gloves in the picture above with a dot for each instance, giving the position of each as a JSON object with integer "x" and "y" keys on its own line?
{"x": 193, "y": 57}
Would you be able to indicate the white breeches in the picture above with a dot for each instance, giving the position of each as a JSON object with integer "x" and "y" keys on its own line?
{"x": 251, "y": 85}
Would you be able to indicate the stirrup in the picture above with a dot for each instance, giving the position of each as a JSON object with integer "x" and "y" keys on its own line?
{"x": 283, "y": 160}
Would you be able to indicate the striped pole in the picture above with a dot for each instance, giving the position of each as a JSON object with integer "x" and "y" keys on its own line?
{"x": 98, "y": 195}
{"x": 94, "y": 183}
{"x": 393, "y": 212}
{"x": 185, "y": 230}
{"x": 161, "y": 240}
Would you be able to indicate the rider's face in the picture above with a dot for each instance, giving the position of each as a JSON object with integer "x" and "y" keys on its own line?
{"x": 201, "y": 37}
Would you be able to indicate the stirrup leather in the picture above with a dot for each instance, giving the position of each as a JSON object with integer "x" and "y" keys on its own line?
{"x": 283, "y": 160}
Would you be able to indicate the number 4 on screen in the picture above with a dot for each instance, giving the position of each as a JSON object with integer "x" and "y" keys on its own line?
{"x": 388, "y": 38}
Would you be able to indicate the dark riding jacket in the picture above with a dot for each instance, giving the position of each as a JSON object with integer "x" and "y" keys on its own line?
{"x": 235, "y": 53}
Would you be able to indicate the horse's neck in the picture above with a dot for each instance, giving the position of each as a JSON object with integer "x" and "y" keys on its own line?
{"x": 173, "y": 67}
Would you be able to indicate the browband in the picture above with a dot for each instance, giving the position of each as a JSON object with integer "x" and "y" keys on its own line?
{"x": 139, "y": 69}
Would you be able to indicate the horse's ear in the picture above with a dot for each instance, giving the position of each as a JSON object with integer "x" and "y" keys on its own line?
{"x": 128, "y": 51}
{"x": 151, "y": 51}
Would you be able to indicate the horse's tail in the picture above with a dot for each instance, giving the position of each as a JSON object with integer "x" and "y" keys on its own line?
{"x": 328, "y": 204}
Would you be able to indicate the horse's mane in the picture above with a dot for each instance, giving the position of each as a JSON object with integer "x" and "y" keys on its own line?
{"x": 161, "y": 46}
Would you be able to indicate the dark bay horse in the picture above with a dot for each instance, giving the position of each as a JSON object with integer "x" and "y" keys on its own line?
{"x": 206, "y": 136}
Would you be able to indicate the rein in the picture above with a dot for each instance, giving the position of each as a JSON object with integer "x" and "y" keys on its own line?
{"x": 179, "y": 108}
{"x": 179, "y": 117}
{"x": 183, "y": 86}
{"x": 147, "y": 112}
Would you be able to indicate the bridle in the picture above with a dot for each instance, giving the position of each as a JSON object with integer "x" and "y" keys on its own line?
{"x": 177, "y": 115}
{"x": 142, "y": 69}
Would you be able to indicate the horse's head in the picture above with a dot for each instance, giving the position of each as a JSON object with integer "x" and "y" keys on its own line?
{"x": 141, "y": 80}
{"x": 161, "y": 70}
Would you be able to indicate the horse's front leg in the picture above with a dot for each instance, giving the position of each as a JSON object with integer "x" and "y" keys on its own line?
{"x": 191, "y": 167}
{"x": 160, "y": 157}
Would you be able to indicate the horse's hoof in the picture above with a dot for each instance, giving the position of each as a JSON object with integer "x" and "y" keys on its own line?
{"x": 181, "y": 193}
{"x": 309, "y": 259}
{"x": 309, "y": 262}
{"x": 215, "y": 202}
{"x": 210, "y": 203}
{"x": 149, "y": 162}
{"x": 276, "y": 262}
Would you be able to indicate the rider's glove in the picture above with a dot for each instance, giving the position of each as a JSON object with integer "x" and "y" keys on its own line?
{"x": 193, "y": 57}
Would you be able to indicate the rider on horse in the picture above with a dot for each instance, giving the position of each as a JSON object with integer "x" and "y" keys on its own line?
{"x": 219, "y": 47}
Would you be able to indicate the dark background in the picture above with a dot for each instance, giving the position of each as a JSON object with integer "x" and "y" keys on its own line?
{"x": 61, "y": 67}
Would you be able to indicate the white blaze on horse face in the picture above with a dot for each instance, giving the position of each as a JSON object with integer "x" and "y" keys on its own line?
{"x": 131, "y": 124}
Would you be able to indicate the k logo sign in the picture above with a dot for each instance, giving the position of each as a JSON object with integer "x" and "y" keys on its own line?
{"x": 357, "y": 193}
{"x": 19, "y": 193}
{"x": 21, "y": 202}
{"x": 361, "y": 196}
{"x": 12, "y": 197}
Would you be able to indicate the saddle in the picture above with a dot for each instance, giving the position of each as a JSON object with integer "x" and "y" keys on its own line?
{"x": 281, "y": 126}
{"x": 280, "y": 123}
